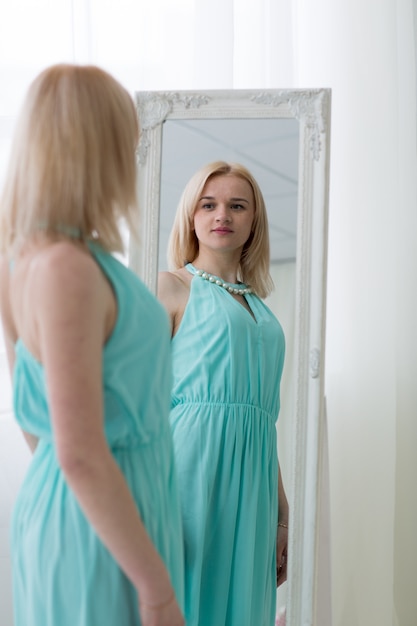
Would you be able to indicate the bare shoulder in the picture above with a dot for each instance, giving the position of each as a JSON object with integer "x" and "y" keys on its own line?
{"x": 173, "y": 292}
{"x": 63, "y": 281}
{"x": 64, "y": 265}
{"x": 54, "y": 287}
{"x": 174, "y": 282}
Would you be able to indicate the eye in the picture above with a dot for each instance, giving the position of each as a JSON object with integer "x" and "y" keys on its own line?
{"x": 237, "y": 207}
{"x": 207, "y": 206}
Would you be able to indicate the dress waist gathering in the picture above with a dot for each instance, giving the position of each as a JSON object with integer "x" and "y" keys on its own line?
{"x": 243, "y": 408}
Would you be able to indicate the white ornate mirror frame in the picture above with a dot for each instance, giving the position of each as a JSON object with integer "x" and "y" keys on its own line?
{"x": 312, "y": 110}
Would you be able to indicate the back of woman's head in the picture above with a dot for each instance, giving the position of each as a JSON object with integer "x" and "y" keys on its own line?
{"x": 183, "y": 244}
{"x": 72, "y": 165}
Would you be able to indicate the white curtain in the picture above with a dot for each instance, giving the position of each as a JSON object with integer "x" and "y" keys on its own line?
{"x": 151, "y": 44}
{"x": 365, "y": 52}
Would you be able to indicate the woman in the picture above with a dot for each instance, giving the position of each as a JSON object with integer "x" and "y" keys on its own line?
{"x": 90, "y": 539}
{"x": 228, "y": 353}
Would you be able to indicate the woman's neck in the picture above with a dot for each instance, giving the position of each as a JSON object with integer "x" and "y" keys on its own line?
{"x": 225, "y": 267}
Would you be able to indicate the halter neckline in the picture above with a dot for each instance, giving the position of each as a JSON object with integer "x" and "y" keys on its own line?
{"x": 64, "y": 229}
{"x": 234, "y": 288}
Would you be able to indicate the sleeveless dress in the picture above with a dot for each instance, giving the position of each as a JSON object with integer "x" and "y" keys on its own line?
{"x": 227, "y": 369}
{"x": 63, "y": 575}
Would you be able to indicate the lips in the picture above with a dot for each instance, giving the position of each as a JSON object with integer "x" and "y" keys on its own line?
{"x": 222, "y": 230}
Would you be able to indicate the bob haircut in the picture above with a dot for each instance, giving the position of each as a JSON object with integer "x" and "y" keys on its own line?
{"x": 183, "y": 244}
{"x": 72, "y": 169}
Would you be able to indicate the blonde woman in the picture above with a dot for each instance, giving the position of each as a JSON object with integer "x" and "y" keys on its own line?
{"x": 96, "y": 530}
{"x": 228, "y": 354}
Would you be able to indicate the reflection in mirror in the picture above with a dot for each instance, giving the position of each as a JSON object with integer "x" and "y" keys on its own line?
{"x": 282, "y": 137}
{"x": 269, "y": 149}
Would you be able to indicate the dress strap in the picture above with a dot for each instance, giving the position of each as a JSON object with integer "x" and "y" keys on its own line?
{"x": 190, "y": 267}
{"x": 64, "y": 229}
{"x": 237, "y": 289}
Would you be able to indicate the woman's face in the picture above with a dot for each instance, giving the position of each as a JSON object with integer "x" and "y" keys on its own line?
{"x": 225, "y": 212}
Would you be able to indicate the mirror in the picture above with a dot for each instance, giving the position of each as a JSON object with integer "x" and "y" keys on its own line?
{"x": 282, "y": 137}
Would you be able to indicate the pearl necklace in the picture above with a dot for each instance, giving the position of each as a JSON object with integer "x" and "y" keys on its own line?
{"x": 236, "y": 291}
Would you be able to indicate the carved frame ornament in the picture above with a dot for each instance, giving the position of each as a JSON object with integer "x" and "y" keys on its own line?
{"x": 307, "y": 106}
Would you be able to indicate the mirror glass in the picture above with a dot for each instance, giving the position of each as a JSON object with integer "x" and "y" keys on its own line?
{"x": 267, "y": 147}
{"x": 282, "y": 137}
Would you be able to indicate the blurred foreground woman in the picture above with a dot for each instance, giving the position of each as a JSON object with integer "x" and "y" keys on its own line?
{"x": 228, "y": 355}
{"x": 96, "y": 531}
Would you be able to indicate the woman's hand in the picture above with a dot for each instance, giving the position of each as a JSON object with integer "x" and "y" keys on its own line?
{"x": 167, "y": 613}
{"x": 282, "y": 532}
{"x": 282, "y": 552}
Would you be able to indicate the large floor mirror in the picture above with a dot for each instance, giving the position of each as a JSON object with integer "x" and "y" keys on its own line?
{"x": 282, "y": 137}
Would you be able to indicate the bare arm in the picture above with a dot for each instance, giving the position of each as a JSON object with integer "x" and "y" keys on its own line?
{"x": 173, "y": 293}
{"x": 282, "y": 500}
{"x": 71, "y": 306}
{"x": 282, "y": 532}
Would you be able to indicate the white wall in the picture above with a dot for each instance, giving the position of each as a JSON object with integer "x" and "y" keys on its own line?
{"x": 364, "y": 52}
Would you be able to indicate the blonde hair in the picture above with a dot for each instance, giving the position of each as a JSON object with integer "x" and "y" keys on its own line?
{"x": 72, "y": 167}
{"x": 183, "y": 244}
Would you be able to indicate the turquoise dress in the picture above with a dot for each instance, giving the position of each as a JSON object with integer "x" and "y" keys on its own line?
{"x": 62, "y": 573}
{"x": 227, "y": 370}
